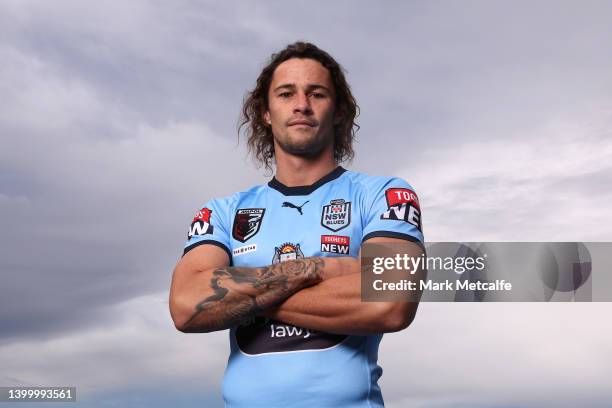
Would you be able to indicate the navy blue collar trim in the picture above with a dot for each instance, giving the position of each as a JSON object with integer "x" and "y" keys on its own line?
{"x": 305, "y": 190}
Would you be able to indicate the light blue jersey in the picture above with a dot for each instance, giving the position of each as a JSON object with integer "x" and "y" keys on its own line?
{"x": 273, "y": 364}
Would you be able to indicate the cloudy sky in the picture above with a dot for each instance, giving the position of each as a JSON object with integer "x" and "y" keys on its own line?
{"x": 118, "y": 119}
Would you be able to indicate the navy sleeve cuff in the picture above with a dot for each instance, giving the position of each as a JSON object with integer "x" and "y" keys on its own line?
{"x": 393, "y": 234}
{"x": 209, "y": 242}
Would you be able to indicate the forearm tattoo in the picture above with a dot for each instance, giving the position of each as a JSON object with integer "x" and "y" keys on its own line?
{"x": 241, "y": 292}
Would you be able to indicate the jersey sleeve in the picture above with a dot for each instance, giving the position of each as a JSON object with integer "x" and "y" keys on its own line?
{"x": 394, "y": 211}
{"x": 209, "y": 226}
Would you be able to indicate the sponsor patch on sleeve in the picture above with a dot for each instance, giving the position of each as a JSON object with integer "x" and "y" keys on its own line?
{"x": 201, "y": 223}
{"x": 402, "y": 205}
{"x": 398, "y": 196}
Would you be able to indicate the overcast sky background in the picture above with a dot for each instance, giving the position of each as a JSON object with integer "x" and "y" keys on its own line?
{"x": 118, "y": 119}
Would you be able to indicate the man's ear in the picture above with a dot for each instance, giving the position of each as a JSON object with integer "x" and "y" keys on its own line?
{"x": 266, "y": 118}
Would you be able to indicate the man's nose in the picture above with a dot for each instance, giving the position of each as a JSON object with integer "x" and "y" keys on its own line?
{"x": 302, "y": 103}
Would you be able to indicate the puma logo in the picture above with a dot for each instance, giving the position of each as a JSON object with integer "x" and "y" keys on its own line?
{"x": 291, "y": 205}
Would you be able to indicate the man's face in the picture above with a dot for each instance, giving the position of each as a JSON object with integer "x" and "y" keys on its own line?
{"x": 301, "y": 102}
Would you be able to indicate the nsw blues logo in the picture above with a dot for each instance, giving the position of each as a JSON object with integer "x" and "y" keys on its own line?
{"x": 336, "y": 215}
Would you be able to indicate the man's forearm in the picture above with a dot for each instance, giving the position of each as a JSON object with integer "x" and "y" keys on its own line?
{"x": 239, "y": 292}
{"x": 335, "y": 306}
{"x": 234, "y": 293}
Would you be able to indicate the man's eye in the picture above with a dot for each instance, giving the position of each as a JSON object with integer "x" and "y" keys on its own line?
{"x": 285, "y": 94}
{"x": 318, "y": 95}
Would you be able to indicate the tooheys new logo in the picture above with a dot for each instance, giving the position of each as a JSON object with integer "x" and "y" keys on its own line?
{"x": 402, "y": 205}
{"x": 201, "y": 223}
{"x": 336, "y": 244}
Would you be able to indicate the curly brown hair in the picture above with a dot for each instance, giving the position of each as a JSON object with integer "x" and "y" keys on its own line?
{"x": 260, "y": 141}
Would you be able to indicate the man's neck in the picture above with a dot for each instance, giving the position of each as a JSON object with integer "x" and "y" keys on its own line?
{"x": 295, "y": 171}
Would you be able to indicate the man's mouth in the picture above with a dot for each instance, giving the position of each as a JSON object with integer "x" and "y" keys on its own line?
{"x": 302, "y": 122}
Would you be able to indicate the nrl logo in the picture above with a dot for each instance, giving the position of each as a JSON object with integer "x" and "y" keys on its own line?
{"x": 246, "y": 223}
{"x": 336, "y": 215}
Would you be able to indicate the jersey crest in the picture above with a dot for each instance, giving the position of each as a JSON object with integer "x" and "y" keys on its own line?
{"x": 336, "y": 215}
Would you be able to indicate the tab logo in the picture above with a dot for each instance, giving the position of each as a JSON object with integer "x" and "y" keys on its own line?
{"x": 335, "y": 244}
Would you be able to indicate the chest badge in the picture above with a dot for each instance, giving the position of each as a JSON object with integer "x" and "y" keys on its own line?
{"x": 247, "y": 222}
{"x": 336, "y": 215}
{"x": 287, "y": 252}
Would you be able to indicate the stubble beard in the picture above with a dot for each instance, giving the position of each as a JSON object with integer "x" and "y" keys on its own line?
{"x": 309, "y": 148}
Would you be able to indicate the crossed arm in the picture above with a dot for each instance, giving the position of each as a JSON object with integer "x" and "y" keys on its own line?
{"x": 322, "y": 294}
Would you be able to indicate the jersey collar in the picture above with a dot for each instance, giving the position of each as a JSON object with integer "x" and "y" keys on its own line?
{"x": 305, "y": 190}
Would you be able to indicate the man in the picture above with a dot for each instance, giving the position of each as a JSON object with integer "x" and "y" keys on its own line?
{"x": 278, "y": 264}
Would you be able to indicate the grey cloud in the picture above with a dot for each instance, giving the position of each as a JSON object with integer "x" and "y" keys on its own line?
{"x": 108, "y": 224}
{"x": 142, "y": 60}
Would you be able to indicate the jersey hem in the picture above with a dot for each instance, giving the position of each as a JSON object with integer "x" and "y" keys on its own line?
{"x": 293, "y": 351}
